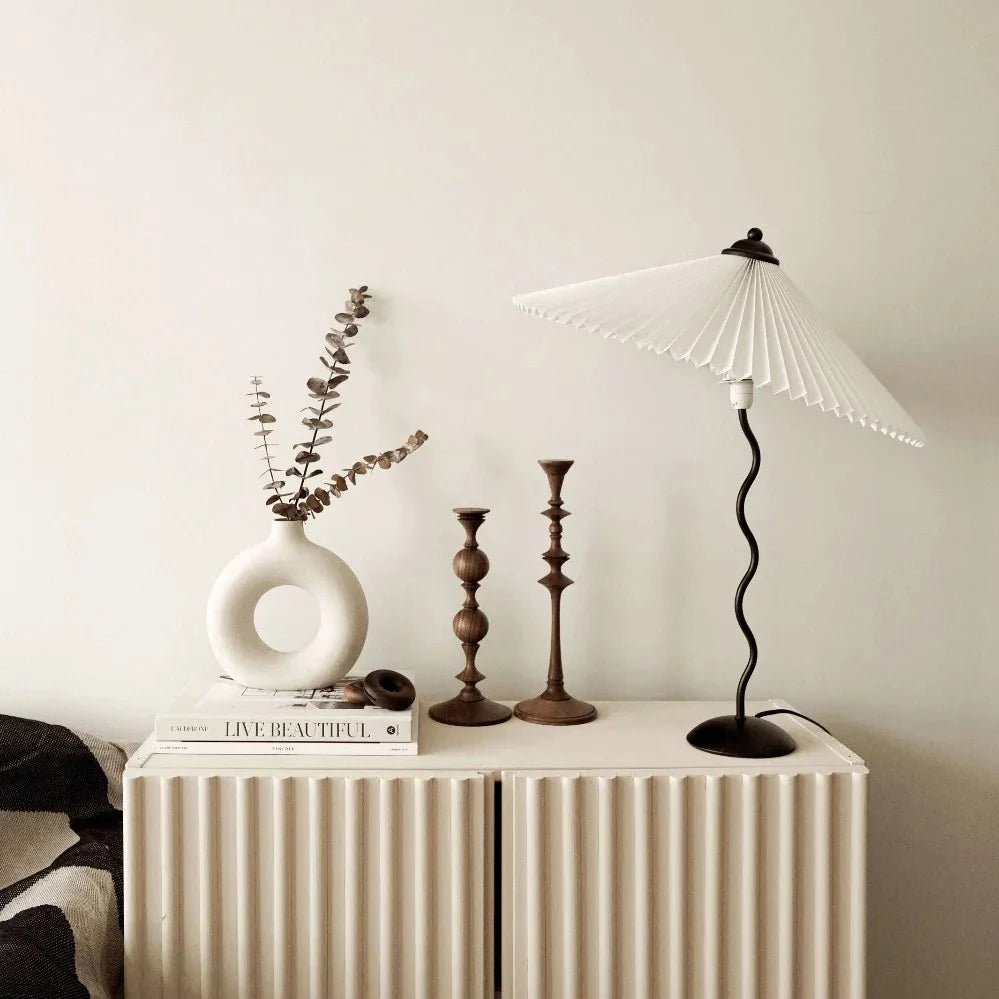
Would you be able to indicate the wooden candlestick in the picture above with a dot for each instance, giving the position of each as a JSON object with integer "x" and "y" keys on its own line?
{"x": 469, "y": 706}
{"x": 555, "y": 706}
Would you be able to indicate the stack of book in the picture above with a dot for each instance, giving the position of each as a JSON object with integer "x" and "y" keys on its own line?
{"x": 223, "y": 716}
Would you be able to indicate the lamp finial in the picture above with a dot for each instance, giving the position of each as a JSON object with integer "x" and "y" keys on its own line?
{"x": 753, "y": 247}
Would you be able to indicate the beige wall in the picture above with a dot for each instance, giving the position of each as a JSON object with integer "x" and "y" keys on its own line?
{"x": 185, "y": 188}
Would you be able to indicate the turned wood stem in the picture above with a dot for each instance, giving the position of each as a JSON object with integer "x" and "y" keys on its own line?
{"x": 555, "y": 706}
{"x": 471, "y": 625}
{"x": 555, "y": 580}
{"x": 469, "y": 706}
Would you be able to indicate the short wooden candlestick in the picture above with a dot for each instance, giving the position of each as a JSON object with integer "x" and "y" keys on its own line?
{"x": 469, "y": 706}
{"x": 555, "y": 706}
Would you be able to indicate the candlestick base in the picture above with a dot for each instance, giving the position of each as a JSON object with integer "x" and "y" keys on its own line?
{"x": 549, "y": 709}
{"x": 459, "y": 711}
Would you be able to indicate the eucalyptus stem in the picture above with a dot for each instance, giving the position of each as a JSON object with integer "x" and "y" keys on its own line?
{"x": 305, "y": 501}
{"x": 267, "y": 453}
{"x": 303, "y": 489}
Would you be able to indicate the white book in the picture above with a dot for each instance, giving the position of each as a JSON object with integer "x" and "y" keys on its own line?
{"x": 285, "y": 748}
{"x": 223, "y": 710}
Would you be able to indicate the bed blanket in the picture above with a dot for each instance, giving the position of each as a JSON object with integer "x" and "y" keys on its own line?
{"x": 60, "y": 863}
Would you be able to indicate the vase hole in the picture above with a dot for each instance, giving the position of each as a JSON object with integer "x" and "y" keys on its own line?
{"x": 286, "y": 618}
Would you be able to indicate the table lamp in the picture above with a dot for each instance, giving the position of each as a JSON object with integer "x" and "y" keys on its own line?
{"x": 739, "y": 316}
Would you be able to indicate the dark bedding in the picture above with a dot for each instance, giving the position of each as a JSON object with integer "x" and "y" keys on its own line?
{"x": 60, "y": 863}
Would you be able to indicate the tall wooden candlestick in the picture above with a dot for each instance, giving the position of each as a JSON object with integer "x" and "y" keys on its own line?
{"x": 469, "y": 706}
{"x": 555, "y": 706}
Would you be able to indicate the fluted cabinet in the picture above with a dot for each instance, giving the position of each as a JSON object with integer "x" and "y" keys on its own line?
{"x": 656, "y": 886}
{"x": 616, "y": 862}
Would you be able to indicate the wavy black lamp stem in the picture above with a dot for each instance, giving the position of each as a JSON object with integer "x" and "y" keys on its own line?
{"x": 740, "y": 734}
{"x": 754, "y": 561}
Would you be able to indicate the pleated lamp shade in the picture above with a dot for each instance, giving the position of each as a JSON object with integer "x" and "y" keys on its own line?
{"x": 738, "y": 315}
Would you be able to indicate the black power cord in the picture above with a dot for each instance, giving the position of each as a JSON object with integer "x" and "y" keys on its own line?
{"x": 797, "y": 714}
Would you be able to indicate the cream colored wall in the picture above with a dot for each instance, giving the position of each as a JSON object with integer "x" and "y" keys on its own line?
{"x": 187, "y": 187}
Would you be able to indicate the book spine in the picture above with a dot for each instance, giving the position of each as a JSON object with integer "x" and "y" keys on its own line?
{"x": 285, "y": 748}
{"x": 197, "y": 728}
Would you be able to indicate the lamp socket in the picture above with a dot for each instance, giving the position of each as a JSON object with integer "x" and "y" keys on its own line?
{"x": 740, "y": 393}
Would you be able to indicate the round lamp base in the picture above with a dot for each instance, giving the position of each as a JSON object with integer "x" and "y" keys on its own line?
{"x": 749, "y": 738}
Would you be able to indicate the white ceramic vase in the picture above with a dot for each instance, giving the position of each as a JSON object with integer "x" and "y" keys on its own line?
{"x": 287, "y": 557}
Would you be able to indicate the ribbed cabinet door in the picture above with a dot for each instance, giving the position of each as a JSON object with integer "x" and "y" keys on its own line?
{"x": 655, "y": 886}
{"x": 299, "y": 887}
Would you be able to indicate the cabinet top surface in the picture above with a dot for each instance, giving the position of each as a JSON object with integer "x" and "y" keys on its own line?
{"x": 627, "y": 735}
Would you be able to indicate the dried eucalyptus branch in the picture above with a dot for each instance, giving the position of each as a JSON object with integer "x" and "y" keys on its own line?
{"x": 323, "y": 390}
{"x": 261, "y": 415}
{"x": 338, "y": 483}
{"x": 302, "y": 501}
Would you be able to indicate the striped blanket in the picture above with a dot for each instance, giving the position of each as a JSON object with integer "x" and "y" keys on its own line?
{"x": 60, "y": 863}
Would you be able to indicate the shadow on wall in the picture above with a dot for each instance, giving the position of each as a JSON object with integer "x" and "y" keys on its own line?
{"x": 933, "y": 871}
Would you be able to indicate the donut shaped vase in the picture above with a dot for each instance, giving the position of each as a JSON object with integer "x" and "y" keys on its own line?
{"x": 287, "y": 558}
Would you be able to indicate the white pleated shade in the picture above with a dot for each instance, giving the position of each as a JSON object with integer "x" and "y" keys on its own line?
{"x": 739, "y": 317}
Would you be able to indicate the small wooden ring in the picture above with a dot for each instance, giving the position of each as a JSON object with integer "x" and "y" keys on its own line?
{"x": 388, "y": 689}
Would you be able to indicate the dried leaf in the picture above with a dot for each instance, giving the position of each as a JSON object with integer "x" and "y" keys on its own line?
{"x": 384, "y": 461}
{"x": 272, "y": 499}
{"x": 292, "y": 471}
{"x": 314, "y": 504}
{"x": 326, "y": 362}
{"x": 344, "y": 317}
{"x": 314, "y": 473}
{"x": 262, "y": 433}
{"x": 283, "y": 509}
{"x": 335, "y": 339}
{"x": 316, "y": 385}
{"x": 259, "y": 394}
{"x": 263, "y": 418}
{"x": 311, "y": 421}
{"x": 255, "y": 380}
{"x": 352, "y": 477}
{"x": 306, "y": 457}
{"x": 324, "y": 497}
{"x": 361, "y": 311}
{"x": 341, "y": 357}
{"x": 359, "y": 468}
{"x": 339, "y": 482}
{"x": 276, "y": 484}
